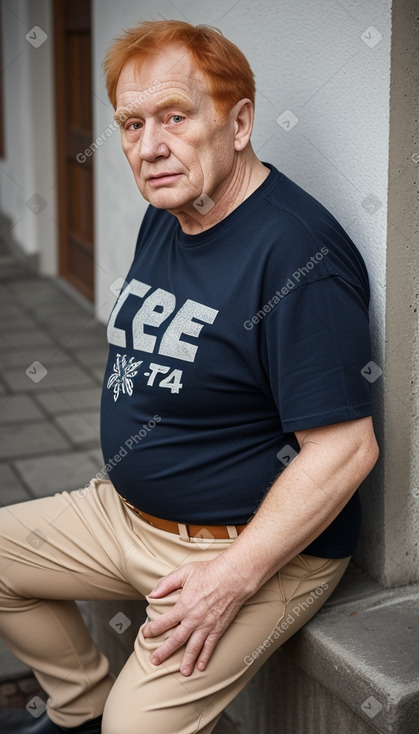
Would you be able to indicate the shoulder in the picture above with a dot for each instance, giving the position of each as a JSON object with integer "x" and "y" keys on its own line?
{"x": 295, "y": 210}
{"x": 303, "y": 230}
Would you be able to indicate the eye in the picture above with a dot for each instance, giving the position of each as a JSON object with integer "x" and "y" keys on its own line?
{"x": 177, "y": 118}
{"x": 130, "y": 127}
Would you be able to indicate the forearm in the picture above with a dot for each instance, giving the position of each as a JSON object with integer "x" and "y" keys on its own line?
{"x": 301, "y": 503}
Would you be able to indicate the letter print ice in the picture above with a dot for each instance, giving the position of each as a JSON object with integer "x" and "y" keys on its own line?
{"x": 123, "y": 372}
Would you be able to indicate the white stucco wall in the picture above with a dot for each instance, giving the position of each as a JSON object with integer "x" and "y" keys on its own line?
{"x": 16, "y": 168}
{"x": 308, "y": 57}
{"x": 27, "y": 172}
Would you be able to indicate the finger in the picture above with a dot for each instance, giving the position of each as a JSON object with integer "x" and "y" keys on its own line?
{"x": 207, "y": 650}
{"x": 193, "y": 649}
{"x": 166, "y": 622}
{"x": 166, "y": 585}
{"x": 174, "y": 642}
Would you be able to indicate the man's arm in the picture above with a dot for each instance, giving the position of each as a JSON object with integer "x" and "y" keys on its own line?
{"x": 302, "y": 502}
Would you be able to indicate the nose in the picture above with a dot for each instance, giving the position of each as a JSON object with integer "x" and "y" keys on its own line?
{"x": 151, "y": 144}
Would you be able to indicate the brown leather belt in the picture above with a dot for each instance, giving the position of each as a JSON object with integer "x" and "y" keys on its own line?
{"x": 185, "y": 530}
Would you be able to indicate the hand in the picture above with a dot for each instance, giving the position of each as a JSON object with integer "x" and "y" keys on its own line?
{"x": 210, "y": 598}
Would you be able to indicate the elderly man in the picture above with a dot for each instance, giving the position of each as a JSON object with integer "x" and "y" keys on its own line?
{"x": 235, "y": 423}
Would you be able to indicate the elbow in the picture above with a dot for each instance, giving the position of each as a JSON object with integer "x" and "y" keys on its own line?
{"x": 367, "y": 455}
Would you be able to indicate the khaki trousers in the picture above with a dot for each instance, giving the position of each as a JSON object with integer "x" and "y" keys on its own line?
{"x": 87, "y": 545}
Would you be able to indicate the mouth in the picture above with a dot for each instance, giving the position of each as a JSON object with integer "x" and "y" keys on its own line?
{"x": 163, "y": 179}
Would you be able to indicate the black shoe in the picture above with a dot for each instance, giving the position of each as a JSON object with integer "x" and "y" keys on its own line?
{"x": 19, "y": 721}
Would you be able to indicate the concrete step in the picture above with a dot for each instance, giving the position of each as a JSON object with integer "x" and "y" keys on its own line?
{"x": 353, "y": 668}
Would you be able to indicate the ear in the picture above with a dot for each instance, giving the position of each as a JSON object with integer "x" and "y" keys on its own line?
{"x": 242, "y": 115}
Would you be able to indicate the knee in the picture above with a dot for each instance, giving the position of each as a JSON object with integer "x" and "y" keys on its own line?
{"x": 116, "y": 721}
{"x": 121, "y": 717}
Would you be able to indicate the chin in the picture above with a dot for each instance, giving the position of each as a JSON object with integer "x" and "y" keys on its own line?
{"x": 166, "y": 199}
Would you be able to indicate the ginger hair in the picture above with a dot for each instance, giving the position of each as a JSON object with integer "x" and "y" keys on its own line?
{"x": 224, "y": 66}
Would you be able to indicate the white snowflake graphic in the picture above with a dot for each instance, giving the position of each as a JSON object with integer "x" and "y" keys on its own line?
{"x": 121, "y": 378}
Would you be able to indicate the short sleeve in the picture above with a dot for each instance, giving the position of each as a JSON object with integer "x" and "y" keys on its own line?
{"x": 317, "y": 342}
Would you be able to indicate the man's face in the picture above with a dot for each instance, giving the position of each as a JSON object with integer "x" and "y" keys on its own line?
{"x": 177, "y": 144}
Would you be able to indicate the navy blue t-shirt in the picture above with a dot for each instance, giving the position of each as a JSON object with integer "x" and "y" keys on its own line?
{"x": 222, "y": 345}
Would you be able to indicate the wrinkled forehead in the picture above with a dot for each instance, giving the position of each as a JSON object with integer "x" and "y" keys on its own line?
{"x": 171, "y": 68}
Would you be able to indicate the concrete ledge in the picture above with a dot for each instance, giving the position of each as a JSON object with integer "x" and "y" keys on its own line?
{"x": 353, "y": 668}
{"x": 363, "y": 646}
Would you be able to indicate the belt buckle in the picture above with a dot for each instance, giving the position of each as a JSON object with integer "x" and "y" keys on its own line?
{"x": 134, "y": 509}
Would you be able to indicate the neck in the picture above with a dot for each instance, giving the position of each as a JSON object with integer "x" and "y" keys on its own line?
{"x": 247, "y": 175}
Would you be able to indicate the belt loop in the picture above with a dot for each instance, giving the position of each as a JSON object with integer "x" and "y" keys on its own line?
{"x": 232, "y": 531}
{"x": 183, "y": 532}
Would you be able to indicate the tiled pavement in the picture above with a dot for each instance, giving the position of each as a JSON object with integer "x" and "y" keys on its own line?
{"x": 52, "y": 357}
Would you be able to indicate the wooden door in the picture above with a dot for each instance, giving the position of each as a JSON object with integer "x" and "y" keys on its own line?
{"x": 73, "y": 93}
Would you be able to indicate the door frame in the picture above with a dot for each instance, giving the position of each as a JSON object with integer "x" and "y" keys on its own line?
{"x": 61, "y": 148}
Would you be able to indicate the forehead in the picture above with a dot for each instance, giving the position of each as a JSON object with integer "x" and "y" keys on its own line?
{"x": 170, "y": 70}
